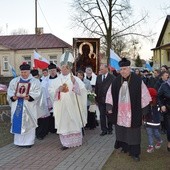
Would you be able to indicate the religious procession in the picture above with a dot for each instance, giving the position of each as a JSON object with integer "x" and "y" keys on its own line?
{"x": 69, "y": 103}
{"x": 84, "y": 85}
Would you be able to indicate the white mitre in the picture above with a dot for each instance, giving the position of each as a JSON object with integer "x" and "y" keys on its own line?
{"x": 67, "y": 59}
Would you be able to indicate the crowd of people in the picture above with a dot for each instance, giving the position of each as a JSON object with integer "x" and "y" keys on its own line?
{"x": 68, "y": 104}
{"x": 158, "y": 117}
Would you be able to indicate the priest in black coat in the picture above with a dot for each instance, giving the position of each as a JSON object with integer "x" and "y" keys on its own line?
{"x": 130, "y": 97}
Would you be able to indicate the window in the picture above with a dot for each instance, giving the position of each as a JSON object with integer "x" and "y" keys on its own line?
{"x": 53, "y": 59}
{"x": 27, "y": 59}
{"x": 168, "y": 55}
{"x": 5, "y": 63}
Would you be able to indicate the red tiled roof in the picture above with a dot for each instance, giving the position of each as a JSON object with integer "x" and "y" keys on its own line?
{"x": 32, "y": 41}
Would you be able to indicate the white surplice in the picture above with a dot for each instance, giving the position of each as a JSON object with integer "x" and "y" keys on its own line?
{"x": 70, "y": 108}
{"x": 29, "y": 114}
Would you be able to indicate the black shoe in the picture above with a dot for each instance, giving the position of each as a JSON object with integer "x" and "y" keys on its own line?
{"x": 26, "y": 146}
{"x": 110, "y": 133}
{"x": 136, "y": 158}
{"x": 53, "y": 131}
{"x": 40, "y": 138}
{"x": 64, "y": 148}
{"x": 103, "y": 133}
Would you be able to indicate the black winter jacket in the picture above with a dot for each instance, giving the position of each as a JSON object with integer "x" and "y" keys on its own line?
{"x": 164, "y": 96}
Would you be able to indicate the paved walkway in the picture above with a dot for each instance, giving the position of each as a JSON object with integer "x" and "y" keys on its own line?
{"x": 47, "y": 155}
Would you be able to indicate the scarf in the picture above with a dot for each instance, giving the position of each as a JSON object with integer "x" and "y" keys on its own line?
{"x": 17, "y": 119}
{"x": 124, "y": 106}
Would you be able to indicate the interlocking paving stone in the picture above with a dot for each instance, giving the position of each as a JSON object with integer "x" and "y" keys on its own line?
{"x": 47, "y": 155}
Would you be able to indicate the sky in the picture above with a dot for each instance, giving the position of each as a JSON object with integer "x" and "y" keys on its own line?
{"x": 54, "y": 17}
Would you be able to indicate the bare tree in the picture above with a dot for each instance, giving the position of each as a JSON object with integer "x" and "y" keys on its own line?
{"x": 107, "y": 19}
{"x": 119, "y": 44}
{"x": 19, "y": 31}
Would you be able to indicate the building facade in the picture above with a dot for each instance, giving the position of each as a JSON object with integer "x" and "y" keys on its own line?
{"x": 161, "y": 53}
{"x": 16, "y": 49}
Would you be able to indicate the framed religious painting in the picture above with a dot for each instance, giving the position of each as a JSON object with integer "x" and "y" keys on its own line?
{"x": 86, "y": 54}
{"x": 22, "y": 89}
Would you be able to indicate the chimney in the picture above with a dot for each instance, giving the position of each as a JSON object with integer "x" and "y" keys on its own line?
{"x": 39, "y": 31}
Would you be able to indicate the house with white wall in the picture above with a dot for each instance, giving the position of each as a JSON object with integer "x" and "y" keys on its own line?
{"x": 16, "y": 49}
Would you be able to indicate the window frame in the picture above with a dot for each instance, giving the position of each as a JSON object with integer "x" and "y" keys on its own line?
{"x": 5, "y": 63}
{"x": 27, "y": 59}
{"x": 53, "y": 59}
{"x": 168, "y": 56}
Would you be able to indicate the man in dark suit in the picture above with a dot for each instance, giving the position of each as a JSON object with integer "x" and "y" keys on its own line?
{"x": 103, "y": 83}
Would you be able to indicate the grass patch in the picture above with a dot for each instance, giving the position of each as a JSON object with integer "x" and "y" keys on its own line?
{"x": 158, "y": 160}
{"x": 5, "y": 136}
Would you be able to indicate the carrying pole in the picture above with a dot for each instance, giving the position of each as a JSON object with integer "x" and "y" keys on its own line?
{"x": 79, "y": 111}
